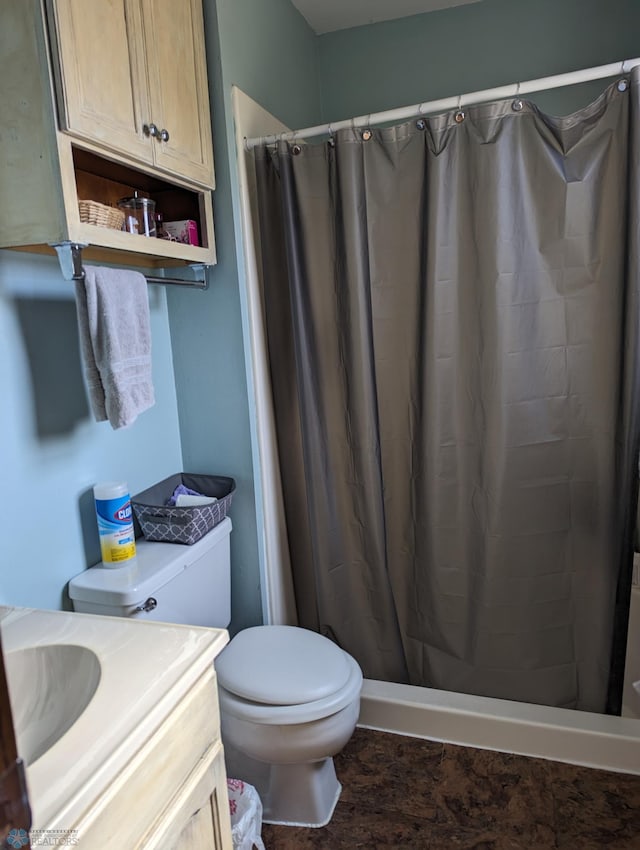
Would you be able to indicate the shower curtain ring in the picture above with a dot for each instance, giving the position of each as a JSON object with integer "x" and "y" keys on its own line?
{"x": 420, "y": 123}
{"x": 459, "y": 116}
{"x": 517, "y": 104}
{"x": 623, "y": 83}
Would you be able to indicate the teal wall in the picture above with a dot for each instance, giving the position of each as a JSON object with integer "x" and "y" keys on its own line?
{"x": 267, "y": 49}
{"x": 467, "y": 48}
{"x": 52, "y": 452}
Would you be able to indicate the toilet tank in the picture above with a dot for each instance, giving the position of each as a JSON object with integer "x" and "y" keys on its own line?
{"x": 167, "y": 582}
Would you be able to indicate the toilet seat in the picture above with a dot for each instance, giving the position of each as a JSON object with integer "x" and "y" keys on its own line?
{"x": 282, "y": 665}
{"x": 285, "y": 674}
{"x": 268, "y": 714}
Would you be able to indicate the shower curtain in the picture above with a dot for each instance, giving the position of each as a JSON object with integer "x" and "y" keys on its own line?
{"x": 451, "y": 308}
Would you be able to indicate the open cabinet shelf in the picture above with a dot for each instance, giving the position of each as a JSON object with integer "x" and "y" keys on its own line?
{"x": 99, "y": 179}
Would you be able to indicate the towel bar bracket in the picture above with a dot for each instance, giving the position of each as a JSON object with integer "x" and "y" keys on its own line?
{"x": 70, "y": 259}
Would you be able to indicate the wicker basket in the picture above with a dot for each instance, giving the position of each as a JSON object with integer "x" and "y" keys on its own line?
{"x": 91, "y": 212}
{"x": 165, "y": 524}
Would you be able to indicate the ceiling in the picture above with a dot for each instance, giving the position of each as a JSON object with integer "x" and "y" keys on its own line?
{"x": 330, "y": 15}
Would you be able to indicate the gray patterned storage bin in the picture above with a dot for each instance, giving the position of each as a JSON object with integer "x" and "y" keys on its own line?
{"x": 167, "y": 524}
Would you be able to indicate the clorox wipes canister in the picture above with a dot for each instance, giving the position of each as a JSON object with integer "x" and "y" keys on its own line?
{"x": 115, "y": 523}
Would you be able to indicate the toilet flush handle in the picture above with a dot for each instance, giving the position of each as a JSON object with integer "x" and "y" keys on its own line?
{"x": 149, "y": 605}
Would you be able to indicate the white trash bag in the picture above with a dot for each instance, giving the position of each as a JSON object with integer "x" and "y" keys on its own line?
{"x": 246, "y": 815}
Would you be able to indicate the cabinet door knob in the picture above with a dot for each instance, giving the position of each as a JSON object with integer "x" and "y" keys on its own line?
{"x": 150, "y": 130}
{"x": 164, "y": 135}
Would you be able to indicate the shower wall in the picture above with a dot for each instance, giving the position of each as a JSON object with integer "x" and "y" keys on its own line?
{"x": 266, "y": 48}
{"x": 467, "y": 48}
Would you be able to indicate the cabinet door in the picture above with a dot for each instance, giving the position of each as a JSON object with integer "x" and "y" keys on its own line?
{"x": 178, "y": 91}
{"x": 209, "y": 828}
{"x": 199, "y": 833}
{"x": 198, "y": 816}
{"x": 100, "y": 73}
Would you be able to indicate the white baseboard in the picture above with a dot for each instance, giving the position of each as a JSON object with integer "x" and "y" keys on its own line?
{"x": 575, "y": 737}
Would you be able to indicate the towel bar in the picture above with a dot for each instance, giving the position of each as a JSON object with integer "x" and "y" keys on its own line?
{"x": 70, "y": 259}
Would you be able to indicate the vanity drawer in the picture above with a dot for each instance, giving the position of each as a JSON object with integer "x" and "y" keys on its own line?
{"x": 148, "y": 783}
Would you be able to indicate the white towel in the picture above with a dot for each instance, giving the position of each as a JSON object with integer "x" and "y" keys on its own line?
{"x": 115, "y": 338}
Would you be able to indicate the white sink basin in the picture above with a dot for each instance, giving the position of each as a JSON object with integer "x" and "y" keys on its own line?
{"x": 49, "y": 686}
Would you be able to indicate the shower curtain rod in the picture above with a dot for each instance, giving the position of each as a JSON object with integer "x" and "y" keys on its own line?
{"x": 456, "y": 102}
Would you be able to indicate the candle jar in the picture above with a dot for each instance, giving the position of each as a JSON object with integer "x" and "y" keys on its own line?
{"x": 139, "y": 215}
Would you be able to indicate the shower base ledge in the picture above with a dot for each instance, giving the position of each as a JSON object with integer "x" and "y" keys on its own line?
{"x": 575, "y": 737}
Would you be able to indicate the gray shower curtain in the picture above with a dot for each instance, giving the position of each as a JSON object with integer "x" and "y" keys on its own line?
{"x": 451, "y": 309}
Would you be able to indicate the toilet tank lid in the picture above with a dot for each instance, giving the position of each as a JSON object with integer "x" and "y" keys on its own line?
{"x": 282, "y": 665}
{"x": 155, "y": 564}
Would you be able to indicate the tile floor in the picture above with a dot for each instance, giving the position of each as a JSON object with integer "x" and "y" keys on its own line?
{"x": 409, "y": 794}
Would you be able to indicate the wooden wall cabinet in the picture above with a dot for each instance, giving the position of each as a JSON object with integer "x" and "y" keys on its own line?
{"x": 131, "y": 77}
{"x": 88, "y": 89}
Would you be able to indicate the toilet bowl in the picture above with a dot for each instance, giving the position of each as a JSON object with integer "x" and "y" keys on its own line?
{"x": 289, "y": 701}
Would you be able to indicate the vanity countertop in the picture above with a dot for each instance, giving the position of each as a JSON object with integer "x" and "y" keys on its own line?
{"x": 146, "y": 669}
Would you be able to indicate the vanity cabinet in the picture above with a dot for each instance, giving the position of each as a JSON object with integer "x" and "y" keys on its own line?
{"x": 172, "y": 794}
{"x": 87, "y": 91}
{"x": 131, "y": 78}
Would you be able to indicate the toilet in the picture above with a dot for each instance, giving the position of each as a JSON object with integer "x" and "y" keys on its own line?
{"x": 289, "y": 698}
{"x": 289, "y": 701}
